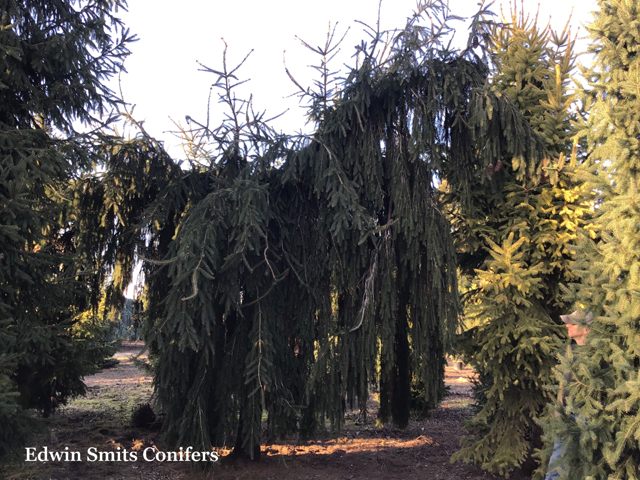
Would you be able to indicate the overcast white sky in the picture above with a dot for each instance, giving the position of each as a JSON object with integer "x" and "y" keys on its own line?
{"x": 163, "y": 80}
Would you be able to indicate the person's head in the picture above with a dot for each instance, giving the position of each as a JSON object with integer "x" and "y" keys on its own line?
{"x": 578, "y": 325}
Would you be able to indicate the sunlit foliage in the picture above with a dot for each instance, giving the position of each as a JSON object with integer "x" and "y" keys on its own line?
{"x": 515, "y": 248}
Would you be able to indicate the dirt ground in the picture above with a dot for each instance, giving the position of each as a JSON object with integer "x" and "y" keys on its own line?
{"x": 101, "y": 420}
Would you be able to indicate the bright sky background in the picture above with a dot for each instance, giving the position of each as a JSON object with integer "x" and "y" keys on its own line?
{"x": 164, "y": 83}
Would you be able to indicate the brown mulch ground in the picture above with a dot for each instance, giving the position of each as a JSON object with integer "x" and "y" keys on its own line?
{"x": 101, "y": 419}
{"x": 125, "y": 372}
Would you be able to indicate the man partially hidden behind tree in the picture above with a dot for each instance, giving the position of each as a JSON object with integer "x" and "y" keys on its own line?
{"x": 578, "y": 328}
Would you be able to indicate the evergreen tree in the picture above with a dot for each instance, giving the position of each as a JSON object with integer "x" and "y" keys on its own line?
{"x": 54, "y": 58}
{"x": 513, "y": 307}
{"x": 17, "y": 424}
{"x": 603, "y": 441}
{"x": 282, "y": 270}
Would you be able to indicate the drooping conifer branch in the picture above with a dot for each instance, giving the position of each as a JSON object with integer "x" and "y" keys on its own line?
{"x": 311, "y": 261}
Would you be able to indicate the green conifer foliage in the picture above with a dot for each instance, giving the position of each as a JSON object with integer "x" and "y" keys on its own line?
{"x": 17, "y": 423}
{"x": 513, "y": 308}
{"x": 283, "y": 270}
{"x": 603, "y": 442}
{"x": 54, "y": 58}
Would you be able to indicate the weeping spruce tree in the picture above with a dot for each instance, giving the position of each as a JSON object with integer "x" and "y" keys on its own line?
{"x": 54, "y": 60}
{"x": 287, "y": 274}
{"x": 604, "y": 442}
{"x": 515, "y": 249}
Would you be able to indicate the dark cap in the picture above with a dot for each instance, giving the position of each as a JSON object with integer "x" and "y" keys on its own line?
{"x": 576, "y": 318}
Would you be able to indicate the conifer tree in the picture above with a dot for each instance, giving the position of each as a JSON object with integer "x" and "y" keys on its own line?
{"x": 282, "y": 270}
{"x": 513, "y": 307}
{"x": 54, "y": 60}
{"x": 17, "y": 424}
{"x": 603, "y": 441}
